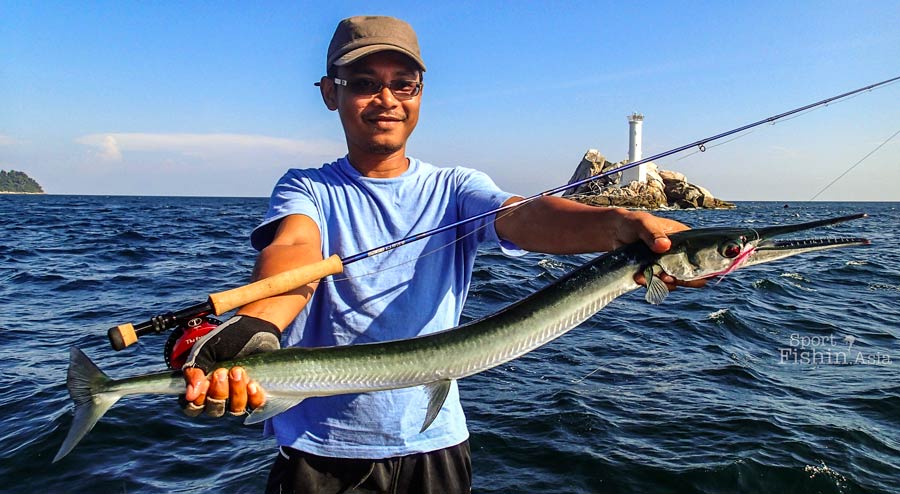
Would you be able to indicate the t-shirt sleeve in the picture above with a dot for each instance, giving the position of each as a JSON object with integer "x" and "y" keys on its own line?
{"x": 291, "y": 195}
{"x": 478, "y": 194}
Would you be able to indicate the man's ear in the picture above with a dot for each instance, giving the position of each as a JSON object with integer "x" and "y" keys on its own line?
{"x": 329, "y": 92}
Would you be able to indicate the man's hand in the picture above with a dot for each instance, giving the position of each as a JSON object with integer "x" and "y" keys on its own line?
{"x": 654, "y": 230}
{"x": 560, "y": 226}
{"x": 238, "y": 337}
{"x": 296, "y": 243}
{"x": 670, "y": 282}
{"x": 233, "y": 387}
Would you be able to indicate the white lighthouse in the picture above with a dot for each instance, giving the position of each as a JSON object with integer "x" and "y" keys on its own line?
{"x": 638, "y": 173}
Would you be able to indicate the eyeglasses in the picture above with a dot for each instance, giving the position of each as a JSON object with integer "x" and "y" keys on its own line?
{"x": 364, "y": 86}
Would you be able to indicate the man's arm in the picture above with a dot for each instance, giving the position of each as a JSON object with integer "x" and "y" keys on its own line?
{"x": 560, "y": 226}
{"x": 297, "y": 242}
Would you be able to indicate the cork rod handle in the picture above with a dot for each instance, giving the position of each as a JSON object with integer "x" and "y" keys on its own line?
{"x": 275, "y": 285}
{"x": 124, "y": 335}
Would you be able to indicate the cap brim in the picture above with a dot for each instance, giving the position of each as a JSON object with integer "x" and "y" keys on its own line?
{"x": 354, "y": 55}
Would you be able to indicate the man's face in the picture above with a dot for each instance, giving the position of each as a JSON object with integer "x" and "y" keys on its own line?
{"x": 380, "y": 123}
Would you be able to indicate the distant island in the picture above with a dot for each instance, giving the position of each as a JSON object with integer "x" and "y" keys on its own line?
{"x": 14, "y": 182}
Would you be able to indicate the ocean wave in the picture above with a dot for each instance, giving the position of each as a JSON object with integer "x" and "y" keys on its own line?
{"x": 883, "y": 287}
{"x": 687, "y": 396}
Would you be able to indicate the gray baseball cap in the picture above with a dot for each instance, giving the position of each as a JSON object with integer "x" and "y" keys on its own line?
{"x": 357, "y": 37}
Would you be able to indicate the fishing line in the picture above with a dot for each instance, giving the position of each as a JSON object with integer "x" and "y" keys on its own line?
{"x": 426, "y": 254}
{"x": 589, "y": 374}
{"x": 782, "y": 120}
{"x": 854, "y": 165}
{"x": 705, "y": 148}
{"x": 700, "y": 145}
{"x": 848, "y": 98}
{"x": 126, "y": 334}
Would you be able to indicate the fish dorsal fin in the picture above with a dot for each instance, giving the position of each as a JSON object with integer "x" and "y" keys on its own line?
{"x": 437, "y": 393}
{"x": 272, "y": 407}
{"x": 656, "y": 289}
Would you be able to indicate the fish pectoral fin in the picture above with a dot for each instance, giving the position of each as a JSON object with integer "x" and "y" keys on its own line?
{"x": 437, "y": 394}
{"x": 272, "y": 407}
{"x": 656, "y": 289}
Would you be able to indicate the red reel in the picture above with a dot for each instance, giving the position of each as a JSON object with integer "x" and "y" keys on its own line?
{"x": 182, "y": 338}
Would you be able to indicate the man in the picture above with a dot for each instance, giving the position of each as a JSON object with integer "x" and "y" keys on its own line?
{"x": 375, "y": 195}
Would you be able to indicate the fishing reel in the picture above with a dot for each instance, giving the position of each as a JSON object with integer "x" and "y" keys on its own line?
{"x": 183, "y": 337}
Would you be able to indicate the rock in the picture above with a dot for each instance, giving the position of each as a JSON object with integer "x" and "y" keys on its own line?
{"x": 655, "y": 180}
{"x": 668, "y": 175}
{"x": 685, "y": 195}
{"x": 651, "y": 196}
{"x": 682, "y": 195}
{"x": 634, "y": 195}
{"x": 703, "y": 191}
{"x": 663, "y": 188}
{"x": 714, "y": 203}
{"x": 593, "y": 163}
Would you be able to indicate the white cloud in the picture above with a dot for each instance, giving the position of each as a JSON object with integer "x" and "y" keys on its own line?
{"x": 109, "y": 149}
{"x": 112, "y": 146}
{"x": 6, "y": 140}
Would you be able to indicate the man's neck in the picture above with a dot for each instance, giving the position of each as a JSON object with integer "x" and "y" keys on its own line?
{"x": 380, "y": 165}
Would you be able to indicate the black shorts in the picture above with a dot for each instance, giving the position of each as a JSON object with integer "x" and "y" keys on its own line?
{"x": 445, "y": 471}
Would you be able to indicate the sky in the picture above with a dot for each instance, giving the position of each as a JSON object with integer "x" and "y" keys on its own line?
{"x": 217, "y": 98}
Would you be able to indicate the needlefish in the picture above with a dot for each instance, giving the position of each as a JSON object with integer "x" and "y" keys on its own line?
{"x": 290, "y": 375}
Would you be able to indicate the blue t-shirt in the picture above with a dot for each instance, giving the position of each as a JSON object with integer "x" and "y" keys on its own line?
{"x": 416, "y": 289}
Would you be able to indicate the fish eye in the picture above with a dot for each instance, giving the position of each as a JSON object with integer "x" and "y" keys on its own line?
{"x": 730, "y": 249}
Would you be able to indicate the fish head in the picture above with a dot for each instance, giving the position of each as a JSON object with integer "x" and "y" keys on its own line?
{"x": 710, "y": 252}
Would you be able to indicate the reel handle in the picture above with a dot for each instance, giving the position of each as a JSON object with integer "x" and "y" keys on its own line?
{"x": 124, "y": 335}
{"x": 127, "y": 334}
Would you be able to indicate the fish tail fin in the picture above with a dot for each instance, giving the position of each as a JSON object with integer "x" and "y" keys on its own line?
{"x": 87, "y": 386}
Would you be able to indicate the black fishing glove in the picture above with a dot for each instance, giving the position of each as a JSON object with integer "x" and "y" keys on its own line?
{"x": 238, "y": 337}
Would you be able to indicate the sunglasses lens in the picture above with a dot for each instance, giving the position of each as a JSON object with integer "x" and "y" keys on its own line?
{"x": 402, "y": 89}
{"x": 364, "y": 86}
{"x": 405, "y": 88}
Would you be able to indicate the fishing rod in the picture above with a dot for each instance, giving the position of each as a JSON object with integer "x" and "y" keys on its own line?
{"x": 219, "y": 303}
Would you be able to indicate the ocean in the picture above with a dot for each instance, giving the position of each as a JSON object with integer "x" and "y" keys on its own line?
{"x": 718, "y": 390}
